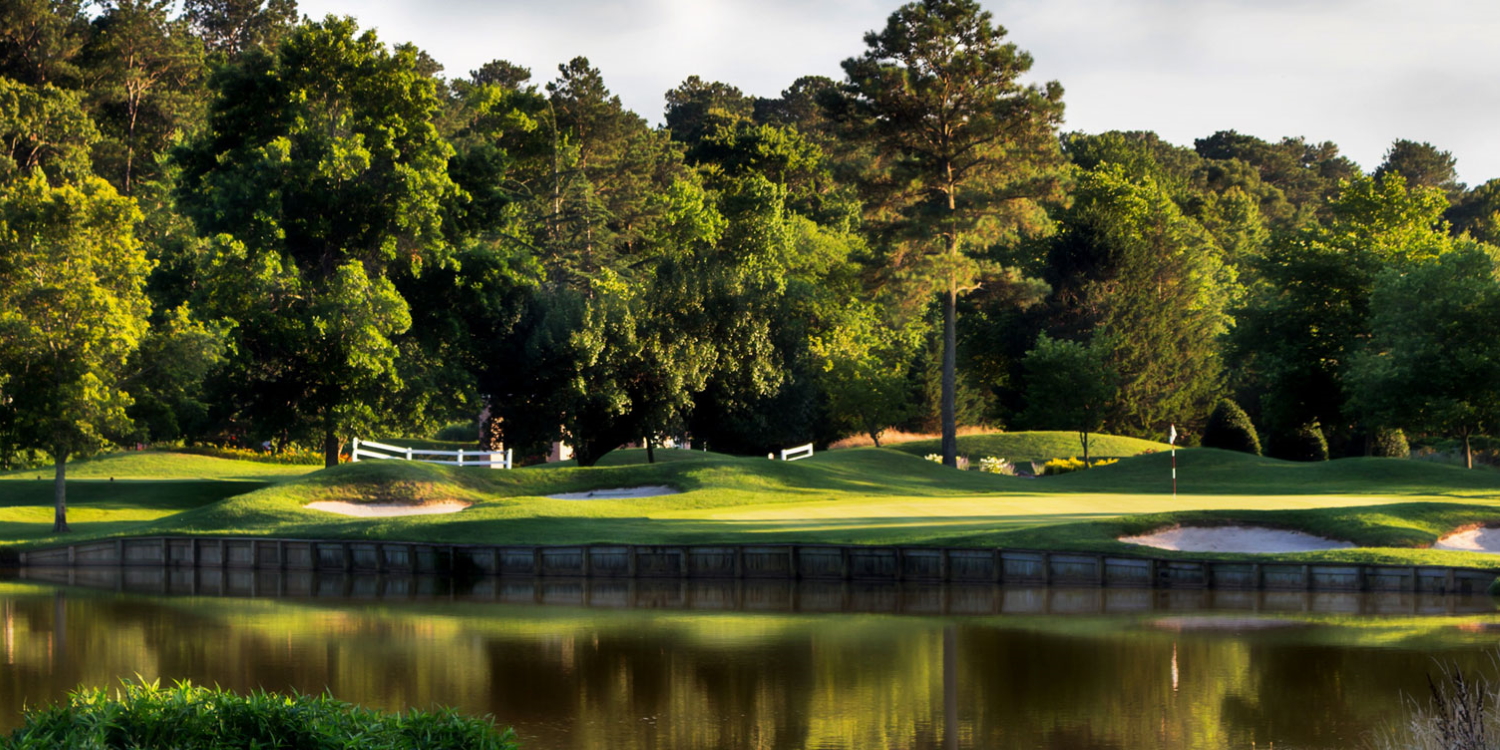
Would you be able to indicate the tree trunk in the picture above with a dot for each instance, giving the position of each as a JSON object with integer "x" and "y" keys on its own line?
{"x": 1083, "y": 437}
{"x": 650, "y": 449}
{"x": 331, "y": 446}
{"x": 950, "y": 374}
{"x": 1468, "y": 453}
{"x": 875, "y": 436}
{"x": 60, "y": 495}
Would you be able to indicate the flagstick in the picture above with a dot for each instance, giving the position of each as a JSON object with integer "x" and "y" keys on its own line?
{"x": 1174, "y": 472}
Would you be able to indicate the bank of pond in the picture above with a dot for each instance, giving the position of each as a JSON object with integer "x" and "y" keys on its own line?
{"x": 728, "y": 663}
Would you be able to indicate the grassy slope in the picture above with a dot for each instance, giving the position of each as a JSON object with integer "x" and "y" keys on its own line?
{"x": 878, "y": 496}
{"x": 118, "y": 493}
{"x": 1036, "y": 446}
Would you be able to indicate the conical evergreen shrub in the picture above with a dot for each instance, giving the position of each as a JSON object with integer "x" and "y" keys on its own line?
{"x": 1229, "y": 427}
{"x": 1305, "y": 444}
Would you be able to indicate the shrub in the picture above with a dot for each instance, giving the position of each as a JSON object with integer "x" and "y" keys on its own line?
{"x": 1389, "y": 444}
{"x": 993, "y": 465}
{"x": 1062, "y": 466}
{"x": 288, "y": 456}
{"x": 147, "y": 715}
{"x": 937, "y": 458}
{"x": 1306, "y": 444}
{"x": 462, "y": 432}
{"x": 1229, "y": 428}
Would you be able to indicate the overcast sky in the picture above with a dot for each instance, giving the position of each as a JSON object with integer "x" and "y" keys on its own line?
{"x": 1360, "y": 73}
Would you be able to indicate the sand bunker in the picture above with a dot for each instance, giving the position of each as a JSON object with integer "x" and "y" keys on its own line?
{"x": 383, "y": 510}
{"x": 1471, "y": 540}
{"x": 617, "y": 493}
{"x": 1244, "y": 539}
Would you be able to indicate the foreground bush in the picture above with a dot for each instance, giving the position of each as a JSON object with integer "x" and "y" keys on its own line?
{"x": 185, "y": 716}
{"x": 1230, "y": 428}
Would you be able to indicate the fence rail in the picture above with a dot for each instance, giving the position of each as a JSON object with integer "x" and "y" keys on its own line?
{"x": 800, "y": 452}
{"x": 380, "y": 451}
{"x": 761, "y": 561}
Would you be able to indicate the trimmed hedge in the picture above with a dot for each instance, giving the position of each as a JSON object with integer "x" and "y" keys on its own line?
{"x": 1230, "y": 428}
{"x": 146, "y": 715}
{"x": 1306, "y": 444}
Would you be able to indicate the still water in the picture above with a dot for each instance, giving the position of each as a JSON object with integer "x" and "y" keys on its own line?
{"x": 689, "y": 665}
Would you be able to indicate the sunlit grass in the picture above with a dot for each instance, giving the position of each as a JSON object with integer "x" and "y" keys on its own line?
{"x": 1391, "y": 508}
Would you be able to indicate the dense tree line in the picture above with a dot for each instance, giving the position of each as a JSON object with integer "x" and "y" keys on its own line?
{"x": 221, "y": 222}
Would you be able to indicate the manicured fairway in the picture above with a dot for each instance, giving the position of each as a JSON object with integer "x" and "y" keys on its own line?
{"x": 866, "y": 495}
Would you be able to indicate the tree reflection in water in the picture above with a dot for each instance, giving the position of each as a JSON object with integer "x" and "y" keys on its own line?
{"x": 765, "y": 664}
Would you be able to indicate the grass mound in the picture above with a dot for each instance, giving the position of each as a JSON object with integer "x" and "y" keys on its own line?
{"x": 161, "y": 465}
{"x": 185, "y": 716}
{"x": 1036, "y": 446}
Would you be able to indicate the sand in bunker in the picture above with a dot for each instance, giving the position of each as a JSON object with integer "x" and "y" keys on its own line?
{"x": 1471, "y": 540}
{"x": 617, "y": 493}
{"x": 1243, "y": 539}
{"x": 384, "y": 510}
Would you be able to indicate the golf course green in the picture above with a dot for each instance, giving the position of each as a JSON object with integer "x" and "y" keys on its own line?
{"x": 1391, "y": 509}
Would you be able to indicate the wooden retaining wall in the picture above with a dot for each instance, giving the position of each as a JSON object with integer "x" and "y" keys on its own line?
{"x": 757, "y": 561}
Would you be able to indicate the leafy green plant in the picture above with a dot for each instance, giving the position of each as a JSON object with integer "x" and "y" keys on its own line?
{"x": 1390, "y": 444}
{"x": 995, "y": 465}
{"x": 183, "y": 715}
{"x": 1230, "y": 428}
{"x": 287, "y": 456}
{"x": 1305, "y": 444}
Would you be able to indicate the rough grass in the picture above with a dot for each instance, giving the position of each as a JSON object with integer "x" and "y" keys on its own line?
{"x": 1036, "y": 446}
{"x": 1392, "y": 508}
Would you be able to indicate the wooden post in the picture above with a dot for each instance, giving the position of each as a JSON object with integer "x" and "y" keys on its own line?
{"x": 1151, "y": 578}
{"x": 119, "y": 553}
{"x": 354, "y": 451}
{"x": 630, "y": 565}
{"x": 739, "y": 561}
{"x": 1046, "y": 569}
{"x": 844, "y": 562}
{"x": 536, "y": 561}
{"x": 223, "y": 554}
{"x": 1307, "y": 577}
{"x": 1100, "y": 562}
{"x": 166, "y": 553}
{"x": 791, "y": 558}
{"x": 460, "y": 456}
{"x": 997, "y": 573}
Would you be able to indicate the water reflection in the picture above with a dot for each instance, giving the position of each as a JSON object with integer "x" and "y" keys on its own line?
{"x": 731, "y": 664}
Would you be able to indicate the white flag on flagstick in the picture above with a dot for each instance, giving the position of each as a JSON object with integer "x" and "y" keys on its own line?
{"x": 1172, "y": 434}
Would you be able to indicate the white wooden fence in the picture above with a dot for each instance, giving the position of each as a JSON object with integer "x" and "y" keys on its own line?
{"x": 800, "y": 452}
{"x": 367, "y": 449}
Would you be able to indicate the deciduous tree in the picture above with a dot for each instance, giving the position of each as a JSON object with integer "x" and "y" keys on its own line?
{"x": 72, "y": 309}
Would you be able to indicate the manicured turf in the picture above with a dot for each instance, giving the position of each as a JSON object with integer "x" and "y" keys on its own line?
{"x": 1036, "y": 446}
{"x": 865, "y": 495}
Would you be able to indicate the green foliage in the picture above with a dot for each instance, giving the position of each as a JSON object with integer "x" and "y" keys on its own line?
{"x": 1433, "y": 362}
{"x": 1389, "y": 443}
{"x": 1068, "y": 385}
{"x": 1230, "y": 428}
{"x": 462, "y": 432}
{"x": 1306, "y": 443}
{"x": 863, "y": 367}
{"x": 287, "y": 456}
{"x": 325, "y": 172}
{"x": 144, "y": 68}
{"x": 183, "y": 715}
{"x": 972, "y": 150}
{"x": 72, "y": 310}
{"x": 44, "y": 127}
{"x": 1301, "y": 326}
{"x": 1151, "y": 289}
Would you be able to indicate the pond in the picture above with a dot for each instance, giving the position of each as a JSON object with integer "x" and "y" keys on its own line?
{"x": 740, "y": 664}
